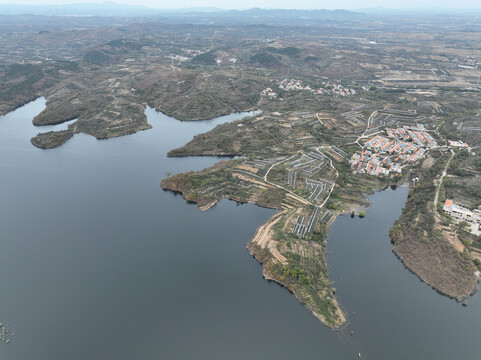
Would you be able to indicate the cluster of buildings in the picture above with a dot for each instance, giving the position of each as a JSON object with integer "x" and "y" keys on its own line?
{"x": 269, "y": 93}
{"x": 292, "y": 84}
{"x": 337, "y": 89}
{"x": 190, "y": 53}
{"x": 418, "y": 136}
{"x": 326, "y": 88}
{"x": 386, "y": 154}
{"x": 461, "y": 213}
{"x": 368, "y": 162}
{"x": 177, "y": 57}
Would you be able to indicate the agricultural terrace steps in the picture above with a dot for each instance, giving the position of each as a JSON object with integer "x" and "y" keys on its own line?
{"x": 263, "y": 238}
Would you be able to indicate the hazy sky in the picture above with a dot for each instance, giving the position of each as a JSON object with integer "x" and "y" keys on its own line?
{"x": 287, "y": 4}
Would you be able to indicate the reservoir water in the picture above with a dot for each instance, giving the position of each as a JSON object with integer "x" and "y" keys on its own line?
{"x": 97, "y": 262}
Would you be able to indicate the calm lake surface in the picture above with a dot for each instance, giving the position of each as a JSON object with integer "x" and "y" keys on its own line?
{"x": 97, "y": 262}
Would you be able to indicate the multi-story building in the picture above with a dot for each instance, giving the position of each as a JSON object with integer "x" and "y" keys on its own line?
{"x": 461, "y": 213}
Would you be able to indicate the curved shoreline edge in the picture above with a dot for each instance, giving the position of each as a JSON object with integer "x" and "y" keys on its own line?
{"x": 256, "y": 251}
{"x": 273, "y": 256}
{"x": 265, "y": 249}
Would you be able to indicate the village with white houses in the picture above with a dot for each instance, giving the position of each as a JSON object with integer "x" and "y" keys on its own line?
{"x": 384, "y": 155}
{"x": 297, "y": 85}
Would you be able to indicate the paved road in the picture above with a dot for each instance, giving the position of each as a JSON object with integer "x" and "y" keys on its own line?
{"x": 445, "y": 171}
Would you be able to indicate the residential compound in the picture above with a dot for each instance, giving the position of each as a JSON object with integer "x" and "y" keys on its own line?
{"x": 461, "y": 213}
{"x": 386, "y": 154}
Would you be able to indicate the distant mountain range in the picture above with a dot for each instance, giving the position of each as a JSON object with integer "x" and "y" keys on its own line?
{"x": 122, "y": 10}
{"x": 122, "y": 14}
{"x": 114, "y": 9}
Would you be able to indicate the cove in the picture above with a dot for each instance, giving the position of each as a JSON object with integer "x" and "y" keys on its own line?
{"x": 392, "y": 313}
{"x": 99, "y": 263}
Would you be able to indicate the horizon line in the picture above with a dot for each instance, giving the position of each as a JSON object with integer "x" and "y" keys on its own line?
{"x": 373, "y": 8}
